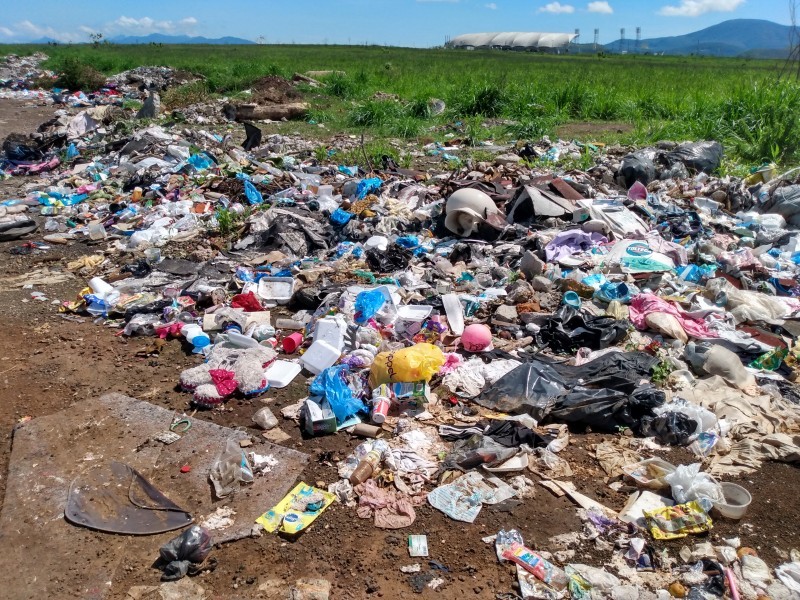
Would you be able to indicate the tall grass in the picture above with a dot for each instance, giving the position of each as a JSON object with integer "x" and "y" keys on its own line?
{"x": 737, "y": 101}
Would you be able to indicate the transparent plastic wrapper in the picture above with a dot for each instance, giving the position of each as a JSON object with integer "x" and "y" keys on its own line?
{"x": 230, "y": 469}
{"x": 530, "y": 388}
{"x": 142, "y": 324}
{"x": 688, "y": 484}
{"x": 265, "y": 419}
{"x": 191, "y": 547}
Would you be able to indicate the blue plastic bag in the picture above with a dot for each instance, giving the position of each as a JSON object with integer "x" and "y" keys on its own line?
{"x": 366, "y": 186}
{"x": 72, "y": 151}
{"x": 613, "y": 291}
{"x": 340, "y": 217}
{"x": 200, "y": 161}
{"x": 253, "y": 195}
{"x": 368, "y": 303}
{"x": 332, "y": 386}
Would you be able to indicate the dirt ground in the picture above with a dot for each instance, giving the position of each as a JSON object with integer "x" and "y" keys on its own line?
{"x": 48, "y": 363}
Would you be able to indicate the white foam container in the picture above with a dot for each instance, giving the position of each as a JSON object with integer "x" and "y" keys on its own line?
{"x": 281, "y": 373}
{"x": 276, "y": 289}
{"x": 329, "y": 330}
{"x": 455, "y": 313}
{"x": 319, "y": 356}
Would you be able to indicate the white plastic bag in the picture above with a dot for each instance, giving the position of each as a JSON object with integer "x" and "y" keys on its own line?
{"x": 688, "y": 483}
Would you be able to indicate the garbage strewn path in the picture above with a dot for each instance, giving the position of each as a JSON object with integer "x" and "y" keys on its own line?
{"x": 450, "y": 482}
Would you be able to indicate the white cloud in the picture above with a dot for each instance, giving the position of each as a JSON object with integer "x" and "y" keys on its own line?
{"x": 603, "y": 8}
{"x": 146, "y": 25}
{"x": 28, "y": 31}
{"x": 557, "y": 8}
{"x": 695, "y": 8}
{"x": 491, "y": 6}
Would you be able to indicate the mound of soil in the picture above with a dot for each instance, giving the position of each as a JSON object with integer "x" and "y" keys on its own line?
{"x": 273, "y": 89}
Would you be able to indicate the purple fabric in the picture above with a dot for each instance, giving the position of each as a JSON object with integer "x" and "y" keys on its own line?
{"x": 567, "y": 243}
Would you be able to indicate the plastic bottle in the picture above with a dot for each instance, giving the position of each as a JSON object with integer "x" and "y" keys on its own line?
{"x": 195, "y": 335}
{"x": 366, "y": 468}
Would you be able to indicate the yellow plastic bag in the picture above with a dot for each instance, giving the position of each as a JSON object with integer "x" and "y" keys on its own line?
{"x": 416, "y": 363}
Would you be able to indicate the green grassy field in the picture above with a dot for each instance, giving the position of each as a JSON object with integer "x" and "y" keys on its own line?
{"x": 519, "y": 95}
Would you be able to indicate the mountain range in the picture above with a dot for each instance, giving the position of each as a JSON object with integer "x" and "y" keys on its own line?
{"x": 736, "y": 37}
{"x": 160, "y": 38}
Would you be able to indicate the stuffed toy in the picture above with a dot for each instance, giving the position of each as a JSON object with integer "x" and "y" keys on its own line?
{"x": 226, "y": 371}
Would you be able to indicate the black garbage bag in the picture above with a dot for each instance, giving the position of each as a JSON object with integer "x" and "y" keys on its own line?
{"x": 253, "y": 137}
{"x": 138, "y": 269}
{"x": 670, "y": 429}
{"x": 192, "y": 547}
{"x": 605, "y": 409}
{"x": 394, "y": 259}
{"x": 703, "y": 157}
{"x": 569, "y": 329}
{"x": 19, "y": 148}
{"x": 639, "y": 166}
{"x": 475, "y": 451}
{"x": 785, "y": 202}
{"x": 619, "y": 370}
{"x": 512, "y": 435}
{"x": 529, "y": 388}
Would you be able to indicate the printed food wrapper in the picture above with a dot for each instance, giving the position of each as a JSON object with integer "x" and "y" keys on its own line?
{"x": 287, "y": 518}
{"x": 674, "y": 522}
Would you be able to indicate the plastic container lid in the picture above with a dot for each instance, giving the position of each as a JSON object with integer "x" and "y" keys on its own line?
{"x": 276, "y": 289}
{"x": 281, "y": 373}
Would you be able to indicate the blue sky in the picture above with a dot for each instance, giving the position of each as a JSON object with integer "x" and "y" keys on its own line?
{"x": 394, "y": 22}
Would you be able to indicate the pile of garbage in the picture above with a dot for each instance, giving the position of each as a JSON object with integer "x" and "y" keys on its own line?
{"x": 20, "y": 72}
{"x": 465, "y": 323}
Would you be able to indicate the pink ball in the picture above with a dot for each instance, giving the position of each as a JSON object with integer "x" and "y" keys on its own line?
{"x": 476, "y": 337}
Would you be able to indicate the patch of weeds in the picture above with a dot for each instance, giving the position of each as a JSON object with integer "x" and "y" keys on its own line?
{"x": 661, "y": 372}
{"x": 375, "y": 113}
{"x": 485, "y": 99}
{"x": 405, "y": 126}
{"x": 228, "y": 222}
{"x": 474, "y": 131}
{"x": 185, "y": 95}
{"x": 76, "y": 75}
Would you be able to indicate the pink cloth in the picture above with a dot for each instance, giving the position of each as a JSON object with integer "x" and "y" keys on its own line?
{"x": 644, "y": 304}
{"x": 391, "y": 508}
{"x": 225, "y": 381}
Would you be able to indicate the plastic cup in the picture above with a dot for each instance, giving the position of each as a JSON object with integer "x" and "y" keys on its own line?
{"x": 292, "y": 342}
{"x": 380, "y": 408}
{"x": 572, "y": 299}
